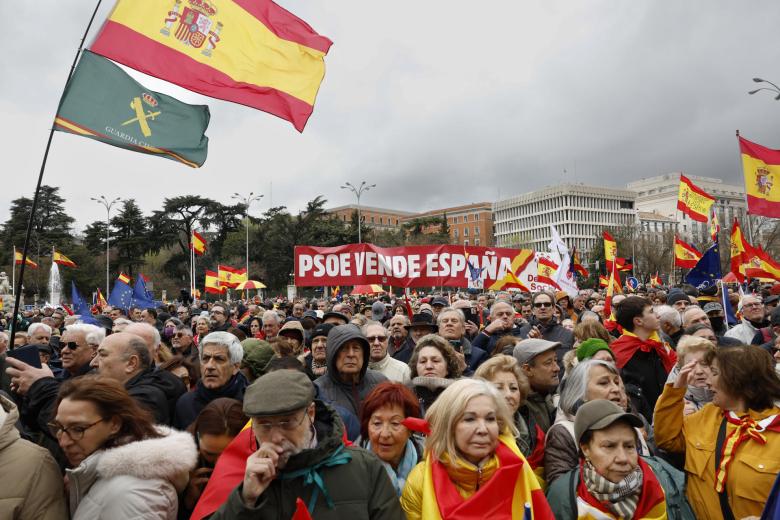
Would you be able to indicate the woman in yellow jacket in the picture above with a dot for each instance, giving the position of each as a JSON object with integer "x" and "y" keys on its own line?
{"x": 472, "y": 467}
{"x": 732, "y": 445}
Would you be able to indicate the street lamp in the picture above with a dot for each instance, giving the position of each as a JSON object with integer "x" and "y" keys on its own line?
{"x": 775, "y": 90}
{"x": 358, "y": 192}
{"x": 108, "y": 205}
{"x": 247, "y": 201}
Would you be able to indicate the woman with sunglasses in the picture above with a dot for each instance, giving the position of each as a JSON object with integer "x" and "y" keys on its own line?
{"x": 121, "y": 464}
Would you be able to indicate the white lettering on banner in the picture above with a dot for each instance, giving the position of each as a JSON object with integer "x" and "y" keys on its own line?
{"x": 399, "y": 266}
{"x": 458, "y": 264}
{"x": 444, "y": 265}
{"x": 506, "y": 266}
{"x": 385, "y": 267}
{"x": 359, "y": 263}
{"x": 414, "y": 266}
{"x": 304, "y": 264}
{"x": 371, "y": 264}
{"x": 430, "y": 265}
{"x": 332, "y": 265}
{"x": 318, "y": 265}
{"x": 345, "y": 267}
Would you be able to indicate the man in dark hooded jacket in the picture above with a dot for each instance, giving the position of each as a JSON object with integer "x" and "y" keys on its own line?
{"x": 348, "y": 379}
{"x": 125, "y": 358}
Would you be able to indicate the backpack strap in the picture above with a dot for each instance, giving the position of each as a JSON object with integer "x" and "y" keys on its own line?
{"x": 725, "y": 508}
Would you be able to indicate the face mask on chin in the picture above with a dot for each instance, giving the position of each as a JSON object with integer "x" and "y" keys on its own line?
{"x": 717, "y": 322}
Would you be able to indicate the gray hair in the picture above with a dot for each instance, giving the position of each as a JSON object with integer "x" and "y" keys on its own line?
{"x": 226, "y": 340}
{"x": 181, "y": 327}
{"x": 136, "y": 346}
{"x": 368, "y": 324}
{"x": 573, "y": 393}
{"x": 271, "y": 315}
{"x": 670, "y": 315}
{"x": 450, "y": 310}
{"x": 35, "y": 326}
{"x": 93, "y": 334}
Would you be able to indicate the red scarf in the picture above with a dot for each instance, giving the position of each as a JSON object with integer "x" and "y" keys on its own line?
{"x": 626, "y": 346}
{"x": 536, "y": 457}
{"x": 650, "y": 496}
{"x": 747, "y": 429}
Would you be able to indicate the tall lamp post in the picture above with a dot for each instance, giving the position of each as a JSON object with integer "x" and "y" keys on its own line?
{"x": 775, "y": 90}
{"x": 249, "y": 199}
{"x": 108, "y": 205}
{"x": 358, "y": 192}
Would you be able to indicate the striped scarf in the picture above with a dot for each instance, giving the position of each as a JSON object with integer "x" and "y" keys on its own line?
{"x": 621, "y": 497}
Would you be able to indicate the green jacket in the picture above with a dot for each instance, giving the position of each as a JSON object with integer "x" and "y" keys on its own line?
{"x": 562, "y": 493}
{"x": 360, "y": 489}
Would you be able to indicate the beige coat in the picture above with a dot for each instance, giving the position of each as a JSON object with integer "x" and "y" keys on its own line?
{"x": 32, "y": 486}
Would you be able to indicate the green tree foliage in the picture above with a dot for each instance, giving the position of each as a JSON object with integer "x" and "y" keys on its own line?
{"x": 426, "y": 230}
{"x": 130, "y": 237}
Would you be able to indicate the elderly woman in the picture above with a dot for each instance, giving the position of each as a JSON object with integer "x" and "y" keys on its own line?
{"x": 611, "y": 480}
{"x": 471, "y": 448}
{"x": 732, "y": 445}
{"x": 202, "y": 326}
{"x": 122, "y": 465}
{"x": 589, "y": 380}
{"x": 694, "y": 350}
{"x": 382, "y": 430}
{"x": 434, "y": 366}
{"x": 507, "y": 376}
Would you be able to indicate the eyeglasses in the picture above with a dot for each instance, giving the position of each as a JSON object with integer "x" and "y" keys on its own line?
{"x": 72, "y": 345}
{"x": 267, "y": 426}
{"x": 372, "y": 339}
{"x": 751, "y": 305}
{"x": 216, "y": 312}
{"x": 180, "y": 335}
{"x": 76, "y": 433}
{"x": 542, "y": 304}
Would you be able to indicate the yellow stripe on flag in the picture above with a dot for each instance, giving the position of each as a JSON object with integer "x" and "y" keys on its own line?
{"x": 767, "y": 188}
{"x": 247, "y": 51}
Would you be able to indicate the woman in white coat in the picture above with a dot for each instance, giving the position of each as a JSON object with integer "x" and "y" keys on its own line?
{"x": 123, "y": 466}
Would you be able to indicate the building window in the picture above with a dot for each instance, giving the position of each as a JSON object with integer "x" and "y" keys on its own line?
{"x": 465, "y": 231}
{"x": 465, "y": 242}
{"x": 476, "y": 230}
{"x": 372, "y": 220}
{"x": 476, "y": 241}
{"x": 455, "y": 233}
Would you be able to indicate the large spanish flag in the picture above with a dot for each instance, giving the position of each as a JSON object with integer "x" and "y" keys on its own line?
{"x": 761, "y": 167}
{"x": 63, "y": 260}
{"x": 685, "y": 255}
{"x": 27, "y": 261}
{"x": 197, "y": 243}
{"x": 762, "y": 266}
{"x": 694, "y": 201}
{"x": 251, "y": 52}
{"x": 740, "y": 250}
{"x": 231, "y": 276}
{"x": 212, "y": 284}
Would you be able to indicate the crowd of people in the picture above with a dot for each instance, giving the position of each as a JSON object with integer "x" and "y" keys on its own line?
{"x": 447, "y": 406}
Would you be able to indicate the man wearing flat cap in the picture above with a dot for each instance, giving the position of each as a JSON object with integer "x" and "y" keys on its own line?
{"x": 300, "y": 454}
{"x": 538, "y": 360}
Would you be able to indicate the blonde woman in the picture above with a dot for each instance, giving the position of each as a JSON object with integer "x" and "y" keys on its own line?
{"x": 471, "y": 447}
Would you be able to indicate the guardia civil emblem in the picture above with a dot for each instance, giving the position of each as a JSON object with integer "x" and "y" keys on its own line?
{"x": 764, "y": 180}
{"x": 197, "y": 27}
{"x": 142, "y": 114}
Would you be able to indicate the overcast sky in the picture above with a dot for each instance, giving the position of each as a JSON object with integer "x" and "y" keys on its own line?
{"x": 439, "y": 103}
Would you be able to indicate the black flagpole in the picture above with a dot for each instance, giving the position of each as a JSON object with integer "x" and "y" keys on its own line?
{"x": 18, "y": 288}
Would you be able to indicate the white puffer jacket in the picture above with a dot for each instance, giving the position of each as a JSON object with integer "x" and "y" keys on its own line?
{"x": 137, "y": 480}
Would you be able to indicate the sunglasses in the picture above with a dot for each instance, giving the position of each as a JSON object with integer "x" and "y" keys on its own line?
{"x": 180, "y": 335}
{"x": 72, "y": 345}
{"x": 372, "y": 339}
{"x": 542, "y": 304}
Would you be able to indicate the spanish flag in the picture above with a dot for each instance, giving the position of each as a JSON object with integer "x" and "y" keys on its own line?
{"x": 123, "y": 278}
{"x": 28, "y": 262}
{"x": 610, "y": 247}
{"x": 250, "y": 52}
{"x": 231, "y": 276}
{"x": 63, "y": 260}
{"x": 212, "y": 283}
{"x": 576, "y": 264}
{"x": 655, "y": 280}
{"x": 102, "y": 303}
{"x": 694, "y": 201}
{"x": 761, "y": 167}
{"x": 740, "y": 250}
{"x": 762, "y": 266}
{"x": 197, "y": 243}
{"x": 545, "y": 271}
{"x": 685, "y": 255}
{"x": 510, "y": 279}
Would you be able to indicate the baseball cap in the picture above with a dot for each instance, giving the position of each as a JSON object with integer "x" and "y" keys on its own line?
{"x": 600, "y": 413}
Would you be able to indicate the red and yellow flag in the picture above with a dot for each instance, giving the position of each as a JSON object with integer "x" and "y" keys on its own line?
{"x": 212, "y": 284}
{"x": 231, "y": 276}
{"x": 28, "y": 262}
{"x": 610, "y": 247}
{"x": 576, "y": 264}
{"x": 714, "y": 224}
{"x": 100, "y": 300}
{"x": 694, "y": 201}
{"x": 61, "y": 259}
{"x": 511, "y": 279}
{"x": 197, "y": 243}
{"x": 250, "y": 52}
{"x": 762, "y": 266}
{"x": 685, "y": 255}
{"x": 740, "y": 250}
{"x": 545, "y": 272}
{"x": 123, "y": 278}
{"x": 761, "y": 167}
{"x": 655, "y": 280}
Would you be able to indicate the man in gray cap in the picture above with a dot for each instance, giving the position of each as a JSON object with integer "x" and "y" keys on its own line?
{"x": 300, "y": 454}
{"x": 348, "y": 379}
{"x": 714, "y": 311}
{"x": 539, "y": 362}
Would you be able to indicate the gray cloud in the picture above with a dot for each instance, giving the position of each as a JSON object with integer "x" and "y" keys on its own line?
{"x": 438, "y": 103}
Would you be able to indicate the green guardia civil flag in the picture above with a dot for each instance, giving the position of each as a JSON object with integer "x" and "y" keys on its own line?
{"x": 102, "y": 102}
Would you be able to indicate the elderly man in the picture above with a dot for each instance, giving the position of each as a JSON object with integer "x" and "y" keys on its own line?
{"x": 671, "y": 324}
{"x": 438, "y": 304}
{"x": 420, "y": 325}
{"x": 452, "y": 327}
{"x": 380, "y": 360}
{"x": 220, "y": 376}
{"x": 715, "y": 314}
{"x": 544, "y": 325}
{"x": 125, "y": 358}
{"x": 271, "y": 324}
{"x": 38, "y": 334}
{"x": 220, "y": 318}
{"x": 694, "y": 315}
{"x": 348, "y": 379}
{"x": 538, "y": 360}
{"x": 679, "y": 300}
{"x": 502, "y": 323}
{"x": 150, "y": 335}
{"x": 183, "y": 344}
{"x": 59, "y": 319}
{"x": 298, "y": 309}
{"x": 183, "y": 313}
{"x": 298, "y": 436}
{"x": 398, "y": 332}
{"x": 753, "y": 318}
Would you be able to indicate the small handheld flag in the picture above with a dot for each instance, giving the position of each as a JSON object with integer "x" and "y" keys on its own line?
{"x": 685, "y": 255}
{"x": 694, "y": 201}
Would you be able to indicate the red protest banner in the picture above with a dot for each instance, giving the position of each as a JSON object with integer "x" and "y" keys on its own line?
{"x": 412, "y": 266}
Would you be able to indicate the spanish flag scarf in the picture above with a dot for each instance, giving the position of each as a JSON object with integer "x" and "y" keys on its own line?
{"x": 626, "y": 346}
{"x": 512, "y": 492}
{"x": 747, "y": 429}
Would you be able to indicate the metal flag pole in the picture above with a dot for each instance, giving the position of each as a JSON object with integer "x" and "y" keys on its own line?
{"x": 13, "y": 274}
{"x": 26, "y": 247}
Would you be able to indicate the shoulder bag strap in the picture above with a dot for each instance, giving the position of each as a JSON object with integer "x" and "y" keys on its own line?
{"x": 725, "y": 508}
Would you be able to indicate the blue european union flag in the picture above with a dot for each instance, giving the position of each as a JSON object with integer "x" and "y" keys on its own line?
{"x": 80, "y": 306}
{"x": 706, "y": 273}
{"x": 141, "y": 296}
{"x": 121, "y": 295}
